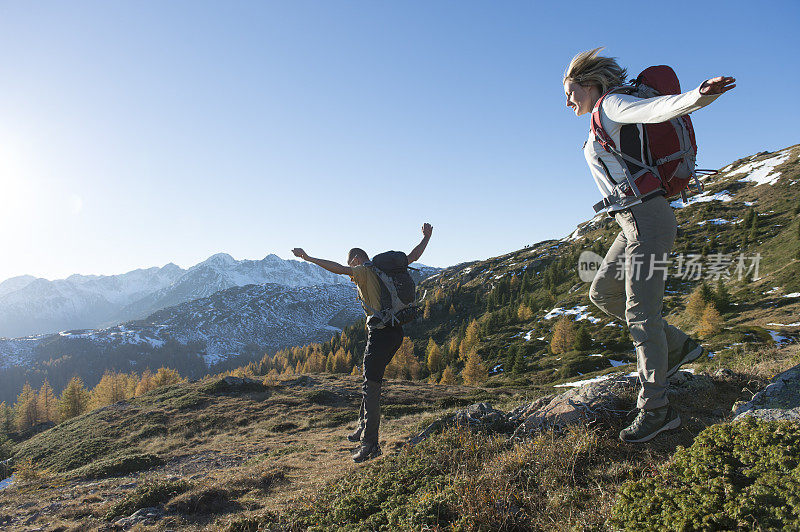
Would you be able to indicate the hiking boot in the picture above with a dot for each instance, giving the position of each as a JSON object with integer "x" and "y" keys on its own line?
{"x": 355, "y": 436}
{"x": 367, "y": 451}
{"x": 649, "y": 423}
{"x": 690, "y": 352}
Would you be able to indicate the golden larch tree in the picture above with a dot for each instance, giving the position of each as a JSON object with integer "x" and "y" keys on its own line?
{"x": 47, "y": 403}
{"x": 404, "y": 364}
{"x": 696, "y": 304}
{"x": 710, "y": 322}
{"x": 448, "y": 376}
{"x": 74, "y": 399}
{"x": 111, "y": 389}
{"x": 26, "y": 408}
{"x": 474, "y": 371}
{"x": 166, "y": 376}
{"x": 563, "y": 336}
{"x": 434, "y": 356}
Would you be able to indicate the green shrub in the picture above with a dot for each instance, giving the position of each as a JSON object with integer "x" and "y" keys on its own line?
{"x": 740, "y": 475}
{"x": 321, "y": 397}
{"x": 118, "y": 465}
{"x": 60, "y": 450}
{"x": 149, "y": 493}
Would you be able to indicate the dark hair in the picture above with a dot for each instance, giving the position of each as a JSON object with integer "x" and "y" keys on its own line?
{"x": 357, "y": 252}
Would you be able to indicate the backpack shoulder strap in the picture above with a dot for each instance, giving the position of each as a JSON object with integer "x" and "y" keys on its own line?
{"x": 600, "y": 134}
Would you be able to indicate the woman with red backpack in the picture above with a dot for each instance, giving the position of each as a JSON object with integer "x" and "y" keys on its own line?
{"x": 640, "y": 151}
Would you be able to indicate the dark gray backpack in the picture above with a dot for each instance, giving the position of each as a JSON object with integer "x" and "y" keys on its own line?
{"x": 398, "y": 291}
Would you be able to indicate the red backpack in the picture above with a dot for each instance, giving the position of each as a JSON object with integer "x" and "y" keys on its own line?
{"x": 669, "y": 148}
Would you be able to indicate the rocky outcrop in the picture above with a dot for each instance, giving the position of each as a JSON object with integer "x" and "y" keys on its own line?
{"x": 594, "y": 402}
{"x": 478, "y": 416}
{"x": 778, "y": 401}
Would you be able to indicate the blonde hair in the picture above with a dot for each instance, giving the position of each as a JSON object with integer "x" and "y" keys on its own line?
{"x": 588, "y": 68}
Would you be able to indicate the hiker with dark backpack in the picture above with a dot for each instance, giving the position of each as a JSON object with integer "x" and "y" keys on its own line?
{"x": 641, "y": 150}
{"x": 387, "y": 293}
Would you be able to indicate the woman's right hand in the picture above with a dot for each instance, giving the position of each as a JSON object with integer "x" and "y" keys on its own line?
{"x": 717, "y": 85}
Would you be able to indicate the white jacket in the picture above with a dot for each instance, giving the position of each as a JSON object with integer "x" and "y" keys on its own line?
{"x": 617, "y": 110}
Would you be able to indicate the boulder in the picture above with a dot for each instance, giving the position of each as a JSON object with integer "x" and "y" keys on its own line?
{"x": 142, "y": 515}
{"x": 586, "y": 403}
{"x": 780, "y": 399}
{"x": 477, "y": 416}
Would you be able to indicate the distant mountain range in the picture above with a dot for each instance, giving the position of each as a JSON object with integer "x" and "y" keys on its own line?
{"x": 219, "y": 314}
{"x": 252, "y": 319}
{"x": 32, "y": 306}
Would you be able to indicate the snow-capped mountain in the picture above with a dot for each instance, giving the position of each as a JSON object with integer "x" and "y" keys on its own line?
{"x": 30, "y": 305}
{"x": 237, "y": 324}
{"x": 222, "y": 271}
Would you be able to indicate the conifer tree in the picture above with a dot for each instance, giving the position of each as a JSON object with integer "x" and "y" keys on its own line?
{"x": 710, "y": 322}
{"x": 426, "y": 313}
{"x": 624, "y": 334}
{"x": 404, "y": 364}
{"x": 448, "y": 376}
{"x": 74, "y": 399}
{"x": 520, "y": 365}
{"x": 110, "y": 390}
{"x": 165, "y": 377}
{"x": 474, "y": 371}
{"x": 47, "y": 404}
{"x": 26, "y": 408}
{"x": 145, "y": 383}
{"x": 471, "y": 339}
{"x": 583, "y": 340}
{"x": 722, "y": 298}
{"x": 341, "y": 361}
{"x": 434, "y": 356}
{"x": 452, "y": 309}
{"x": 697, "y": 302}
{"x": 6, "y": 419}
{"x": 524, "y": 313}
{"x": 452, "y": 349}
{"x": 563, "y": 336}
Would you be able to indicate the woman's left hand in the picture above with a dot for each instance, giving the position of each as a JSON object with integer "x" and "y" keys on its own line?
{"x": 717, "y": 85}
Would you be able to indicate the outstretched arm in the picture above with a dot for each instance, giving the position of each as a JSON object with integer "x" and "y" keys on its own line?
{"x": 628, "y": 109}
{"x": 416, "y": 253}
{"x": 333, "y": 267}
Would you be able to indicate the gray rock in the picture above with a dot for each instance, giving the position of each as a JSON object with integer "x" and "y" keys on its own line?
{"x": 684, "y": 382}
{"x": 772, "y": 414}
{"x": 523, "y": 411}
{"x": 780, "y": 399}
{"x": 477, "y": 416}
{"x": 584, "y": 404}
{"x": 139, "y": 516}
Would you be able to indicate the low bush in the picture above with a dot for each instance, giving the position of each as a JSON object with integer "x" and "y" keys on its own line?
{"x": 743, "y": 475}
{"x": 149, "y": 493}
{"x": 118, "y": 464}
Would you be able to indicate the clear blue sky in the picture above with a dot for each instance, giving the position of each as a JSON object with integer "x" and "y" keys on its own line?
{"x": 133, "y": 134}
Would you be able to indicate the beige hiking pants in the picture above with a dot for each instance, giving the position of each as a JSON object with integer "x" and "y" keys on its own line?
{"x": 630, "y": 286}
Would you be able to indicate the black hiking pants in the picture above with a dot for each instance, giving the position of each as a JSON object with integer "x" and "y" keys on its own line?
{"x": 382, "y": 344}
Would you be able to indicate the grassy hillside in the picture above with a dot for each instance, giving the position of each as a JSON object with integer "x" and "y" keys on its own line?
{"x": 244, "y": 455}
{"x": 543, "y": 278}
